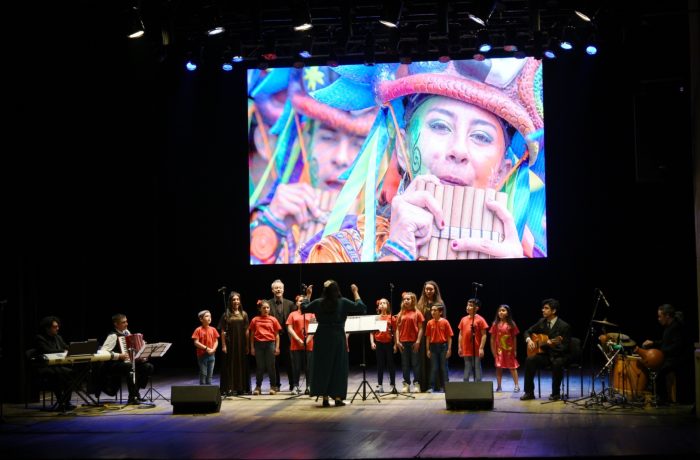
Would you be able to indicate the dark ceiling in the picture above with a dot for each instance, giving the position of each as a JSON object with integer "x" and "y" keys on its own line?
{"x": 426, "y": 28}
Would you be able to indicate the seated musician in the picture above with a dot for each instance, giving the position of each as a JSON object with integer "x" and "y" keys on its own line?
{"x": 671, "y": 344}
{"x": 48, "y": 341}
{"x": 120, "y": 365}
{"x": 467, "y": 124}
{"x": 547, "y": 345}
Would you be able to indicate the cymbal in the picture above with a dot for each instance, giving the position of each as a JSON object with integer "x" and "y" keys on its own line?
{"x": 624, "y": 340}
{"x": 605, "y": 323}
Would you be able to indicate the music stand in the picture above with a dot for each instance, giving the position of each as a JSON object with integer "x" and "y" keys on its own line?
{"x": 151, "y": 350}
{"x": 366, "y": 323}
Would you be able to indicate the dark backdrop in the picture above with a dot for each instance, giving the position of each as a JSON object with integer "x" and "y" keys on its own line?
{"x": 126, "y": 191}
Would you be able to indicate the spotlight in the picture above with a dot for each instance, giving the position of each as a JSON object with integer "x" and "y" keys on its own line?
{"x": 191, "y": 62}
{"x": 305, "y": 47}
{"x": 391, "y": 13}
{"x": 269, "y": 52}
{"x": 566, "y": 42}
{"x": 216, "y": 30}
{"x": 301, "y": 16}
{"x": 405, "y": 52}
{"x": 483, "y": 41}
{"x": 444, "y": 51}
{"x": 591, "y": 45}
{"x": 136, "y": 28}
{"x": 369, "y": 49}
{"x": 227, "y": 61}
{"x": 482, "y": 11}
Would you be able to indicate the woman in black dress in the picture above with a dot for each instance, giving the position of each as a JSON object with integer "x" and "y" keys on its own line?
{"x": 233, "y": 327}
{"x": 330, "y": 357}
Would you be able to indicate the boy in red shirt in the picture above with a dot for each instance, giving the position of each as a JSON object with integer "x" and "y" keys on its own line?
{"x": 206, "y": 342}
{"x": 438, "y": 343}
{"x": 472, "y": 340}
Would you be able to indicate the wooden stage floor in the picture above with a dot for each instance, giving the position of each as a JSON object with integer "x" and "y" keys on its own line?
{"x": 275, "y": 427}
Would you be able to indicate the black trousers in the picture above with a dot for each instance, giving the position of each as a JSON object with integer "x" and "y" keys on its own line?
{"x": 533, "y": 363}
{"x": 121, "y": 369}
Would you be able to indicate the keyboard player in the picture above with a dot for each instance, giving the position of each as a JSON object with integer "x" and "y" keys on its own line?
{"x": 120, "y": 366}
{"x": 48, "y": 341}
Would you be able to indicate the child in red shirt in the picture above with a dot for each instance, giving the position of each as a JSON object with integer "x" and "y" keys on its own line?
{"x": 383, "y": 344}
{"x": 265, "y": 345}
{"x": 438, "y": 342}
{"x": 471, "y": 348}
{"x": 206, "y": 342}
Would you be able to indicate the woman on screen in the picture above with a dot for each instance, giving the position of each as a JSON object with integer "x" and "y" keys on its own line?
{"x": 316, "y": 145}
{"x": 463, "y": 124}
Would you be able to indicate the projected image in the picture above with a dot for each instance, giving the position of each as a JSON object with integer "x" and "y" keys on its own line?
{"x": 427, "y": 161}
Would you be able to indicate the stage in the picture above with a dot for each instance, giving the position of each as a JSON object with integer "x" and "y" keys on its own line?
{"x": 273, "y": 427}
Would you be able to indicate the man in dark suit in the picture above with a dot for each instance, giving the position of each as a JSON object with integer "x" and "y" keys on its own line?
{"x": 554, "y": 351}
{"x": 280, "y": 308}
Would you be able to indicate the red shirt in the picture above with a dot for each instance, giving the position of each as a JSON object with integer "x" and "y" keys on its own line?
{"x": 465, "y": 327}
{"x": 207, "y": 336}
{"x": 388, "y": 335}
{"x": 296, "y": 320}
{"x": 438, "y": 331}
{"x": 409, "y": 325}
{"x": 264, "y": 328}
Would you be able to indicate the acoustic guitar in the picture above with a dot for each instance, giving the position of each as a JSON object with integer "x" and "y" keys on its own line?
{"x": 541, "y": 342}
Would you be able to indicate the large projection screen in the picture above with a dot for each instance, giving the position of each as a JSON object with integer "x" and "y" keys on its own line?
{"x": 397, "y": 162}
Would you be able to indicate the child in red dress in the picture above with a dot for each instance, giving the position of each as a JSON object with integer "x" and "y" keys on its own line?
{"x": 504, "y": 345}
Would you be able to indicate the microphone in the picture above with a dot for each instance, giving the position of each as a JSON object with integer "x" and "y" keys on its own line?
{"x": 391, "y": 285}
{"x": 479, "y": 285}
{"x": 303, "y": 287}
{"x": 602, "y": 296}
{"x": 221, "y": 289}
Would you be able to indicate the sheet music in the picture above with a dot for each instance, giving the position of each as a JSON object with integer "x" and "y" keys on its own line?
{"x": 363, "y": 323}
{"x": 153, "y": 350}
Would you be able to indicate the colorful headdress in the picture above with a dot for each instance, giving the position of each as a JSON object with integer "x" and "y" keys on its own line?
{"x": 510, "y": 88}
{"x": 290, "y": 158}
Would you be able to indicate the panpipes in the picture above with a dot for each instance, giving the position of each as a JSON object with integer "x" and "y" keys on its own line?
{"x": 324, "y": 201}
{"x": 466, "y": 215}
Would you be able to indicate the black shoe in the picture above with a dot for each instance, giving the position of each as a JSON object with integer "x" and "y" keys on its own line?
{"x": 554, "y": 397}
{"x": 306, "y": 392}
{"x": 326, "y": 403}
{"x": 527, "y": 396}
{"x": 339, "y": 402}
{"x": 66, "y": 407}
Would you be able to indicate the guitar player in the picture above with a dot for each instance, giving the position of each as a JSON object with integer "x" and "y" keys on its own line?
{"x": 547, "y": 345}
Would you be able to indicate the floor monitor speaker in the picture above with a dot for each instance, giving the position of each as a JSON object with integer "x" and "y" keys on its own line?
{"x": 469, "y": 395}
{"x": 195, "y": 399}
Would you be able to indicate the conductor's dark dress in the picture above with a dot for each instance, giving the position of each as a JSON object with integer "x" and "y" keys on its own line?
{"x": 330, "y": 356}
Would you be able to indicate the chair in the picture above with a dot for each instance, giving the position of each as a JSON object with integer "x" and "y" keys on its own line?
{"x": 36, "y": 381}
{"x": 573, "y": 362}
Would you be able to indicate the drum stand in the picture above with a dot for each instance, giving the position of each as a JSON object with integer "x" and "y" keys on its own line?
{"x": 604, "y": 373}
{"x": 654, "y": 396}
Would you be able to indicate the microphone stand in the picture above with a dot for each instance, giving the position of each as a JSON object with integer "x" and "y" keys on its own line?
{"x": 476, "y": 290}
{"x": 590, "y": 334}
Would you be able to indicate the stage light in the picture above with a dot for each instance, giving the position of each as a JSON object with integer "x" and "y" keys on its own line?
{"x": 591, "y": 45}
{"x": 269, "y": 50}
{"x": 566, "y": 41}
{"x": 482, "y": 11}
{"x": 216, "y": 30}
{"x": 301, "y": 16}
{"x": 191, "y": 63}
{"x": 585, "y": 10}
{"x": 227, "y": 60}
{"x": 391, "y": 13}
{"x": 305, "y": 46}
{"x": 136, "y": 28}
{"x": 369, "y": 49}
{"x": 443, "y": 51}
{"x": 483, "y": 41}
